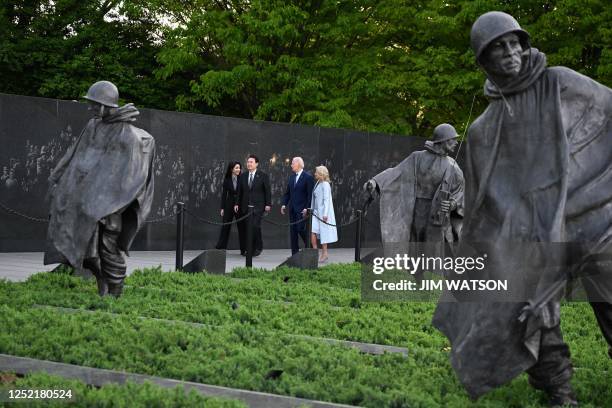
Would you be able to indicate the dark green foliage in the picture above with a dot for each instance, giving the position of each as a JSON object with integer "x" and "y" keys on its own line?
{"x": 128, "y": 395}
{"x": 376, "y": 65}
{"x": 323, "y": 307}
{"x": 247, "y": 346}
{"x": 59, "y": 48}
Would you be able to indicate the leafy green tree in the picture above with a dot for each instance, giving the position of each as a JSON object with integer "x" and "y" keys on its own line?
{"x": 387, "y": 65}
{"x": 325, "y": 62}
{"x": 59, "y": 48}
{"x": 376, "y": 65}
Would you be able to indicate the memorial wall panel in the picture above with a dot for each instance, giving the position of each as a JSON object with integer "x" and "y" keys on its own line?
{"x": 192, "y": 155}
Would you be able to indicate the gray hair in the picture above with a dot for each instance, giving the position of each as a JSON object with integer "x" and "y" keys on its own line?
{"x": 299, "y": 160}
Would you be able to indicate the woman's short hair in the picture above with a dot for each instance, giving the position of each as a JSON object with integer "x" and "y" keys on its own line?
{"x": 322, "y": 170}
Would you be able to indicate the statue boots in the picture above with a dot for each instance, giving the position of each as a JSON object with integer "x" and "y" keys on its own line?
{"x": 562, "y": 396}
{"x": 93, "y": 264}
{"x": 552, "y": 372}
{"x": 102, "y": 286}
{"x": 115, "y": 289}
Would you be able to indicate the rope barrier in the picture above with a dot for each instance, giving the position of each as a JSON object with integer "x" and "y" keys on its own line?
{"x": 160, "y": 219}
{"x": 166, "y": 217}
{"x": 46, "y": 220}
{"x": 28, "y": 217}
{"x": 354, "y": 220}
{"x": 244, "y": 217}
{"x": 283, "y": 224}
{"x": 180, "y": 211}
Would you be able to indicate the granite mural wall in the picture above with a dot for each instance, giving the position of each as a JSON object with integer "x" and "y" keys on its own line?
{"x": 192, "y": 153}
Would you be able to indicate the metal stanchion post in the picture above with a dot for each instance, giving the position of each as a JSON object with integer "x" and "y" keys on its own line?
{"x": 308, "y": 227}
{"x": 358, "y": 236}
{"x": 180, "y": 227}
{"x": 249, "y": 238}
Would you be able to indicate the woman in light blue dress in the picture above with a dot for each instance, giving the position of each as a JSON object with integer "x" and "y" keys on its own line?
{"x": 323, "y": 207}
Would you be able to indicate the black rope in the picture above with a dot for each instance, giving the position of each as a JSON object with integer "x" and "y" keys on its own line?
{"x": 160, "y": 219}
{"x": 244, "y": 217}
{"x": 28, "y": 217}
{"x": 334, "y": 225}
{"x": 166, "y": 217}
{"x": 46, "y": 220}
{"x": 282, "y": 224}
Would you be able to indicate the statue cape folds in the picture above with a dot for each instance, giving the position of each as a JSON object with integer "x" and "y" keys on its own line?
{"x": 397, "y": 187}
{"x": 109, "y": 169}
{"x": 537, "y": 171}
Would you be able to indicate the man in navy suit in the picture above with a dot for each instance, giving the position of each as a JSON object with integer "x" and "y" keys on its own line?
{"x": 297, "y": 198}
{"x": 254, "y": 189}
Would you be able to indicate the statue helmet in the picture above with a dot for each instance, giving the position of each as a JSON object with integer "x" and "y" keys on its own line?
{"x": 494, "y": 24}
{"x": 444, "y": 132}
{"x": 105, "y": 93}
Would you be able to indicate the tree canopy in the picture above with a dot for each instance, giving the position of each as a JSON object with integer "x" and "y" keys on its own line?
{"x": 385, "y": 66}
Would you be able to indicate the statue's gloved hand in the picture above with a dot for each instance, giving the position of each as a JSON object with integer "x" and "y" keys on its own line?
{"x": 448, "y": 205}
{"x": 370, "y": 186}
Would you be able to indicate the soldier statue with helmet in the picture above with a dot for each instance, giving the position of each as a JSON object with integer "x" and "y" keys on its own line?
{"x": 421, "y": 199}
{"x": 538, "y": 175}
{"x": 101, "y": 191}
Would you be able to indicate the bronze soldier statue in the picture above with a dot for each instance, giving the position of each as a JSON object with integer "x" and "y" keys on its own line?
{"x": 421, "y": 199}
{"x": 101, "y": 191}
{"x": 538, "y": 172}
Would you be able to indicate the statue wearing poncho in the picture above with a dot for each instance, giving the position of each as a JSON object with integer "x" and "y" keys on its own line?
{"x": 101, "y": 192}
{"x": 421, "y": 199}
{"x": 538, "y": 171}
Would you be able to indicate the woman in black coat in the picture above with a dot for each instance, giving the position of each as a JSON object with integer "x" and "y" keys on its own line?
{"x": 229, "y": 195}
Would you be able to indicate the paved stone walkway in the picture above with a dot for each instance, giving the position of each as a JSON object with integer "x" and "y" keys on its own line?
{"x": 18, "y": 266}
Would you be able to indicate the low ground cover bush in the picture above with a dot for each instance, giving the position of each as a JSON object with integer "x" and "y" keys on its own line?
{"x": 233, "y": 356}
{"x": 130, "y": 395}
{"x": 247, "y": 342}
{"x": 217, "y": 300}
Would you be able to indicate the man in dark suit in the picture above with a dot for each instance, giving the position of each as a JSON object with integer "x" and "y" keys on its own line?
{"x": 297, "y": 198}
{"x": 254, "y": 189}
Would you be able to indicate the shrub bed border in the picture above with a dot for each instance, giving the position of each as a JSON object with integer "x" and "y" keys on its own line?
{"x": 99, "y": 377}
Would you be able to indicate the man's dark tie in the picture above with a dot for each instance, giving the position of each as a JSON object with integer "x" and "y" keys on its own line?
{"x": 250, "y": 179}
